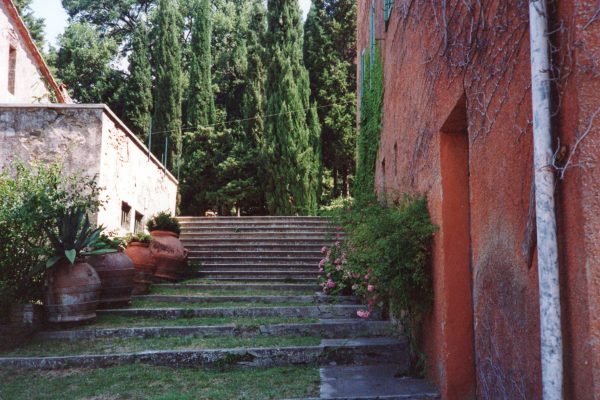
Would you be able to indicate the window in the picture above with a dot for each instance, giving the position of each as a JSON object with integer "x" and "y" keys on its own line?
{"x": 372, "y": 30}
{"x": 139, "y": 223}
{"x": 387, "y": 10}
{"x": 125, "y": 216}
{"x": 12, "y": 69}
{"x": 362, "y": 72}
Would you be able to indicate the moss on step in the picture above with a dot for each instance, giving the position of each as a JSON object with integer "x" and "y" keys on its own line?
{"x": 184, "y": 291}
{"x": 47, "y": 348}
{"x": 229, "y": 304}
{"x": 150, "y": 382}
{"x": 113, "y": 321}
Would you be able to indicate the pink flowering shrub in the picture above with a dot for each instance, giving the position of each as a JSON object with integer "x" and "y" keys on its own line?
{"x": 384, "y": 257}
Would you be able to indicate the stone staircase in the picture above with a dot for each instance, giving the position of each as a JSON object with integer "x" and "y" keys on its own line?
{"x": 251, "y": 300}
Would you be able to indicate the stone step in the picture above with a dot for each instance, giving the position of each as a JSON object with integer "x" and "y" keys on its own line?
{"x": 263, "y": 236}
{"x": 384, "y": 381}
{"x": 321, "y": 311}
{"x": 192, "y": 299}
{"x": 239, "y": 287}
{"x": 210, "y": 230}
{"x": 308, "y": 226}
{"x": 255, "y": 266}
{"x": 280, "y": 274}
{"x": 312, "y": 249}
{"x": 263, "y": 254}
{"x": 249, "y": 279}
{"x": 339, "y": 351}
{"x": 184, "y": 219}
{"x": 249, "y": 261}
{"x": 332, "y": 329}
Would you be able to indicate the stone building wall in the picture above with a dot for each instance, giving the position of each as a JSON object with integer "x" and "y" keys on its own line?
{"x": 90, "y": 140}
{"x": 29, "y": 86}
{"x": 131, "y": 175}
{"x": 457, "y": 128}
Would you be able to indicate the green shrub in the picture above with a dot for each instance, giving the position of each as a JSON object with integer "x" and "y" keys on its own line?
{"x": 137, "y": 237}
{"x": 30, "y": 198}
{"x": 163, "y": 221}
{"x": 384, "y": 259}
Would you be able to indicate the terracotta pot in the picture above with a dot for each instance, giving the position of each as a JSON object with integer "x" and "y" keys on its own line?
{"x": 30, "y": 315}
{"x": 144, "y": 266}
{"x": 169, "y": 255}
{"x": 72, "y": 293}
{"x": 116, "y": 272}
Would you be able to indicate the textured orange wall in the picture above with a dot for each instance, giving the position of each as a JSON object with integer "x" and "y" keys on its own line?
{"x": 434, "y": 53}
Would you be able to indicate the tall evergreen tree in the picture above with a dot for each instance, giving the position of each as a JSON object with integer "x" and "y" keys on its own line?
{"x": 138, "y": 97}
{"x": 290, "y": 134}
{"x": 201, "y": 106}
{"x": 34, "y": 25}
{"x": 329, "y": 54}
{"x": 166, "y": 122}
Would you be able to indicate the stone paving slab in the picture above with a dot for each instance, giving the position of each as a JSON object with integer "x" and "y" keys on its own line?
{"x": 237, "y": 286}
{"x": 382, "y": 381}
{"x": 191, "y": 299}
{"x": 344, "y": 328}
{"x": 365, "y": 352}
{"x": 323, "y": 311}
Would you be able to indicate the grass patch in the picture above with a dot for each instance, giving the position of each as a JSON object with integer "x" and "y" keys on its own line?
{"x": 113, "y": 321}
{"x": 46, "y": 348}
{"x": 228, "y": 304}
{"x": 196, "y": 292}
{"x": 137, "y": 382}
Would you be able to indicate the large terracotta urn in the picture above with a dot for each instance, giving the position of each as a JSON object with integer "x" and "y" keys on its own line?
{"x": 116, "y": 271}
{"x": 72, "y": 293}
{"x": 169, "y": 255}
{"x": 144, "y": 265}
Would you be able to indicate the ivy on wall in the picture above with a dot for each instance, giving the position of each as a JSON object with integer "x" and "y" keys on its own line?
{"x": 371, "y": 108}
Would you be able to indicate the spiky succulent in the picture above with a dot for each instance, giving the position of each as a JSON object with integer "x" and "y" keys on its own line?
{"x": 71, "y": 235}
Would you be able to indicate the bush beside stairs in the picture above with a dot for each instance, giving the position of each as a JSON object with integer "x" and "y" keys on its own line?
{"x": 252, "y": 300}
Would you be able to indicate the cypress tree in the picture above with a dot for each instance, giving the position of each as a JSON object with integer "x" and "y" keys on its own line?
{"x": 167, "y": 106}
{"x": 201, "y": 106}
{"x": 329, "y": 55}
{"x": 138, "y": 97}
{"x": 292, "y": 159}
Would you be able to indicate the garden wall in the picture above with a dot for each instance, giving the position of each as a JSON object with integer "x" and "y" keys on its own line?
{"x": 90, "y": 139}
{"x": 457, "y": 127}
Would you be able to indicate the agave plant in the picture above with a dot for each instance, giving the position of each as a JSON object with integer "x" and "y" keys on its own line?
{"x": 72, "y": 234}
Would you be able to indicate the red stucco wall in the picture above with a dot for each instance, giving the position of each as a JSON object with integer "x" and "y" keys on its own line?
{"x": 483, "y": 332}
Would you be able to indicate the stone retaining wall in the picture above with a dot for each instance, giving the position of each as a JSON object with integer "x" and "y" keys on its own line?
{"x": 90, "y": 139}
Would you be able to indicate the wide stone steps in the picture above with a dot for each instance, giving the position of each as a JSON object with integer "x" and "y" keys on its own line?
{"x": 366, "y": 351}
{"x": 245, "y": 269}
{"x": 331, "y": 329}
{"x": 327, "y": 311}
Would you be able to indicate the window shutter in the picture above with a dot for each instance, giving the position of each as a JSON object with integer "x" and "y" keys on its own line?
{"x": 372, "y": 29}
{"x": 387, "y": 10}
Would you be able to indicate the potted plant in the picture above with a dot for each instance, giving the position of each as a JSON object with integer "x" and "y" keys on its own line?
{"x": 72, "y": 285}
{"x": 115, "y": 270}
{"x": 139, "y": 251}
{"x": 169, "y": 254}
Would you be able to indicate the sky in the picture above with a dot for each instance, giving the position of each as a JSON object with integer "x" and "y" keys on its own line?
{"x": 56, "y": 17}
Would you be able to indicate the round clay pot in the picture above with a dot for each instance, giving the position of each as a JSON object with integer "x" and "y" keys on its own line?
{"x": 169, "y": 255}
{"x": 72, "y": 293}
{"x": 144, "y": 266}
{"x": 116, "y": 272}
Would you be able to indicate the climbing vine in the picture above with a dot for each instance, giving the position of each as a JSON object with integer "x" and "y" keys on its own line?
{"x": 371, "y": 106}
